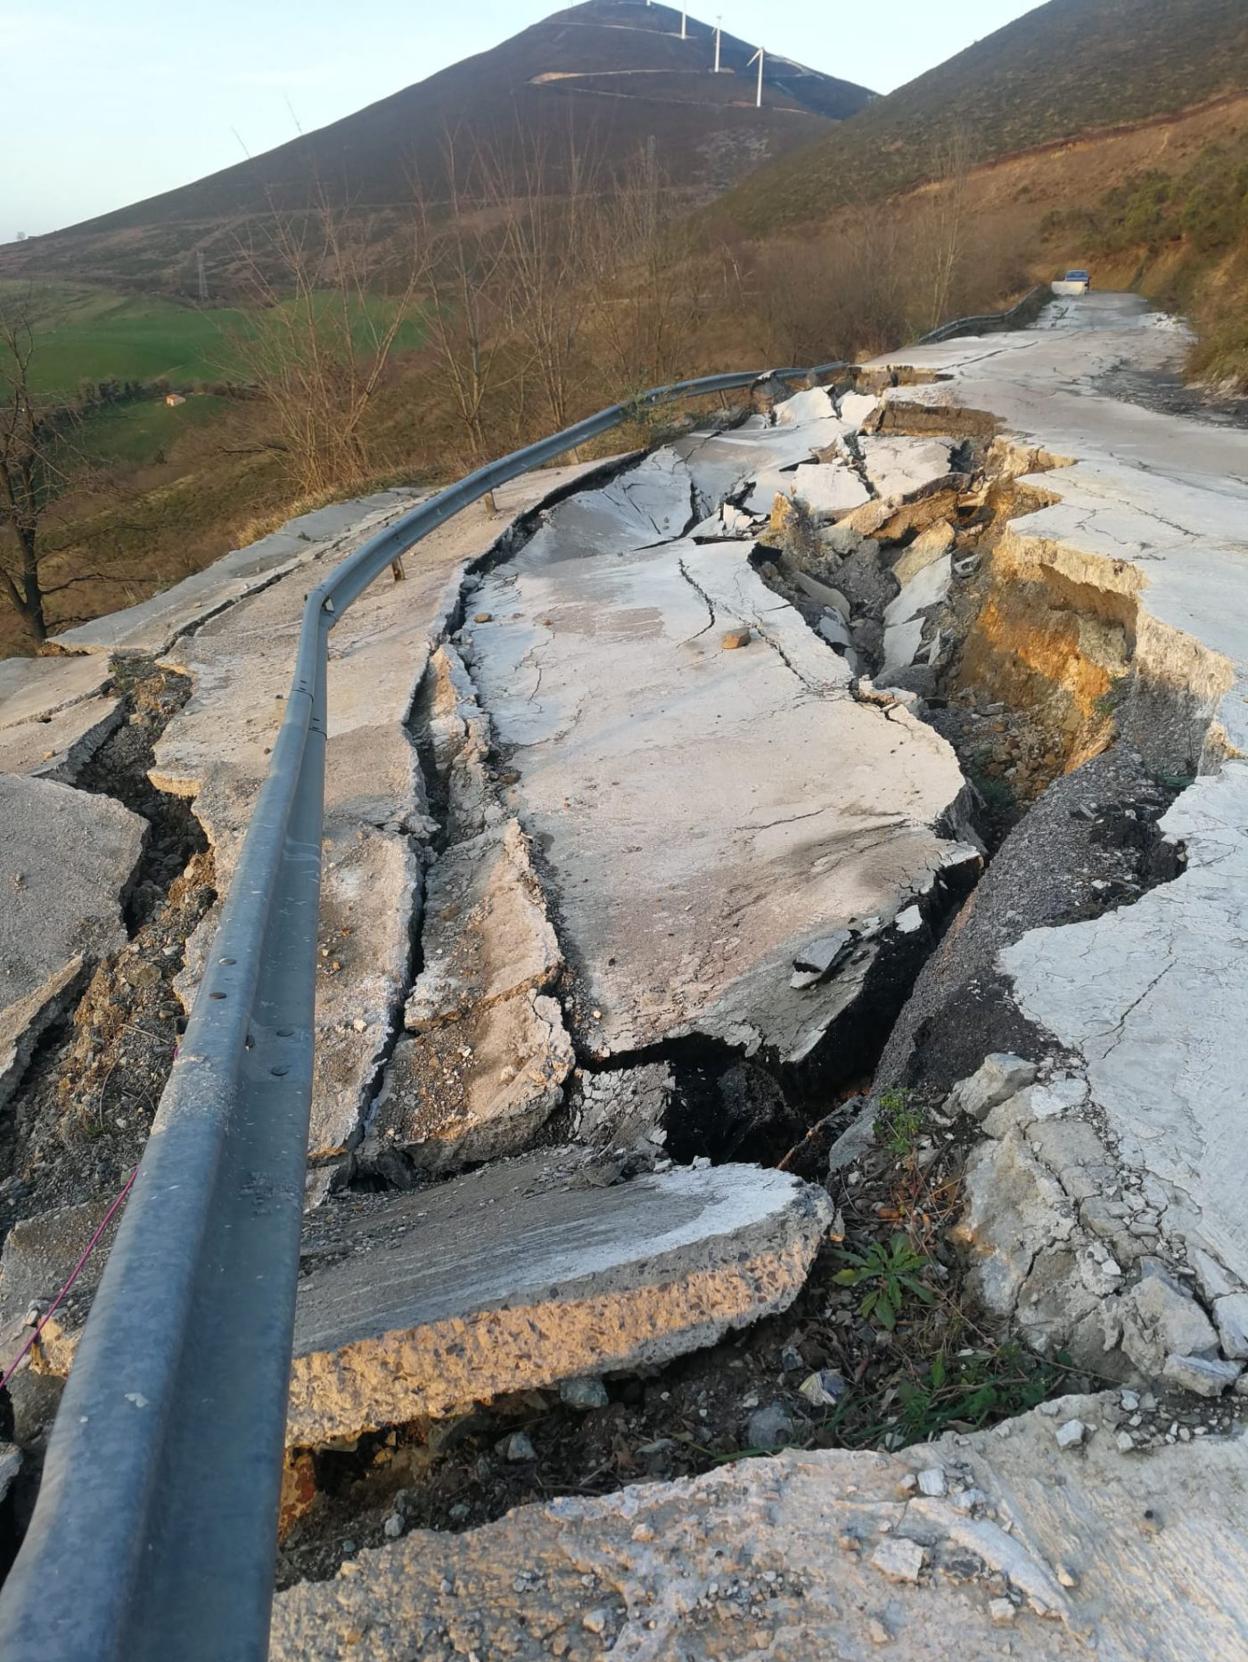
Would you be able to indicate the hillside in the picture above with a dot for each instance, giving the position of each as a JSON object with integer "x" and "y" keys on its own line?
{"x": 1068, "y": 70}
{"x": 609, "y": 75}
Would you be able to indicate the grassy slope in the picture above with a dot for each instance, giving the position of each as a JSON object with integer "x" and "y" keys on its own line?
{"x": 1068, "y": 68}
{"x": 92, "y": 333}
{"x": 97, "y": 334}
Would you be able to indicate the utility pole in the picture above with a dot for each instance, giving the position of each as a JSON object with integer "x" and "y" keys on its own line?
{"x": 758, "y": 58}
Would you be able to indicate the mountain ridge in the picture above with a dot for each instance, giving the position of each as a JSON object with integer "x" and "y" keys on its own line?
{"x": 605, "y": 76}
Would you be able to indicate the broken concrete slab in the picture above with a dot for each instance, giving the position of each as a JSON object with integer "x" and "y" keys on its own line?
{"x": 33, "y": 689}
{"x": 216, "y": 749}
{"x": 474, "y": 1086}
{"x": 490, "y": 1056}
{"x": 829, "y": 489}
{"x": 66, "y": 860}
{"x": 59, "y": 746}
{"x": 857, "y": 408}
{"x": 153, "y": 625}
{"x": 901, "y": 467}
{"x": 650, "y": 502}
{"x": 927, "y": 547}
{"x": 624, "y": 1108}
{"x": 486, "y": 934}
{"x": 523, "y": 1275}
{"x": 39, "y": 1254}
{"x": 723, "y": 462}
{"x": 1066, "y": 1551}
{"x": 618, "y": 710}
{"x": 1153, "y": 996}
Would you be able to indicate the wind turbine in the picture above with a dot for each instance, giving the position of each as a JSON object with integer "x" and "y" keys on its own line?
{"x": 759, "y": 59}
{"x": 684, "y": 23}
{"x": 719, "y": 29}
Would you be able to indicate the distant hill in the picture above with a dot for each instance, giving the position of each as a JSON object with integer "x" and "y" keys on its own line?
{"x": 609, "y": 74}
{"x": 1069, "y": 69}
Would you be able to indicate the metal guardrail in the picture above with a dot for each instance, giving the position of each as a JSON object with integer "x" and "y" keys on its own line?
{"x": 992, "y": 322}
{"x": 154, "y": 1536}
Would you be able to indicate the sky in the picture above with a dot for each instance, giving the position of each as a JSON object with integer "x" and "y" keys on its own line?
{"x": 104, "y": 102}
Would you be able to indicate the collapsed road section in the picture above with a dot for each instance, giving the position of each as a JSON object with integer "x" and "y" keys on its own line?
{"x": 853, "y": 789}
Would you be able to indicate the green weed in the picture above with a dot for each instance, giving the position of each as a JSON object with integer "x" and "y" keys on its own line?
{"x": 886, "y": 1274}
{"x": 897, "y": 1124}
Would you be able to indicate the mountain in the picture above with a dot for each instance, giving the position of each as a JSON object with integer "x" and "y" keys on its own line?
{"x": 1067, "y": 71}
{"x": 609, "y": 75}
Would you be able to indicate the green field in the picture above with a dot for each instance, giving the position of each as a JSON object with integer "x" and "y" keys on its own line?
{"x": 95, "y": 334}
{"x": 139, "y": 434}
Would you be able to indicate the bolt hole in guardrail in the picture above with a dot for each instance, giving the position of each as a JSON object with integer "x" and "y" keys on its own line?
{"x": 154, "y": 1535}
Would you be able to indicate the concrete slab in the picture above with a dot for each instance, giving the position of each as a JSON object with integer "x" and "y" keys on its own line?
{"x": 32, "y": 689}
{"x": 39, "y": 1255}
{"x": 1031, "y": 1550}
{"x": 899, "y": 467}
{"x": 484, "y": 1068}
{"x": 59, "y": 746}
{"x": 217, "y": 749}
{"x": 721, "y": 463}
{"x": 153, "y": 625}
{"x": 829, "y": 489}
{"x": 66, "y": 859}
{"x": 691, "y": 848}
{"x": 522, "y": 1275}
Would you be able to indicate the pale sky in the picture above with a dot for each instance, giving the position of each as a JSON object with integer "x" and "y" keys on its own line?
{"x": 104, "y": 102}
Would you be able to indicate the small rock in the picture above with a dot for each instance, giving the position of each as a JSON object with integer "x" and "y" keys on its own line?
{"x": 823, "y": 1389}
{"x": 392, "y": 1529}
{"x": 1071, "y": 1434}
{"x": 1000, "y": 1612}
{"x": 878, "y": 1633}
{"x": 1160, "y": 1319}
{"x": 484, "y": 617}
{"x": 584, "y": 1394}
{"x": 932, "y": 1482}
{"x": 1125, "y": 1441}
{"x": 736, "y": 638}
{"x": 769, "y": 1428}
{"x": 1207, "y": 1376}
{"x": 519, "y": 1446}
{"x": 998, "y": 1077}
{"x": 899, "y": 1559}
{"x": 594, "y": 1621}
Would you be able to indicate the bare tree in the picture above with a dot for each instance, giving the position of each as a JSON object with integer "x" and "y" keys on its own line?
{"x": 325, "y": 324}
{"x": 549, "y": 206}
{"x": 471, "y": 312}
{"x": 941, "y": 229}
{"x": 36, "y": 464}
{"x": 647, "y": 278}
